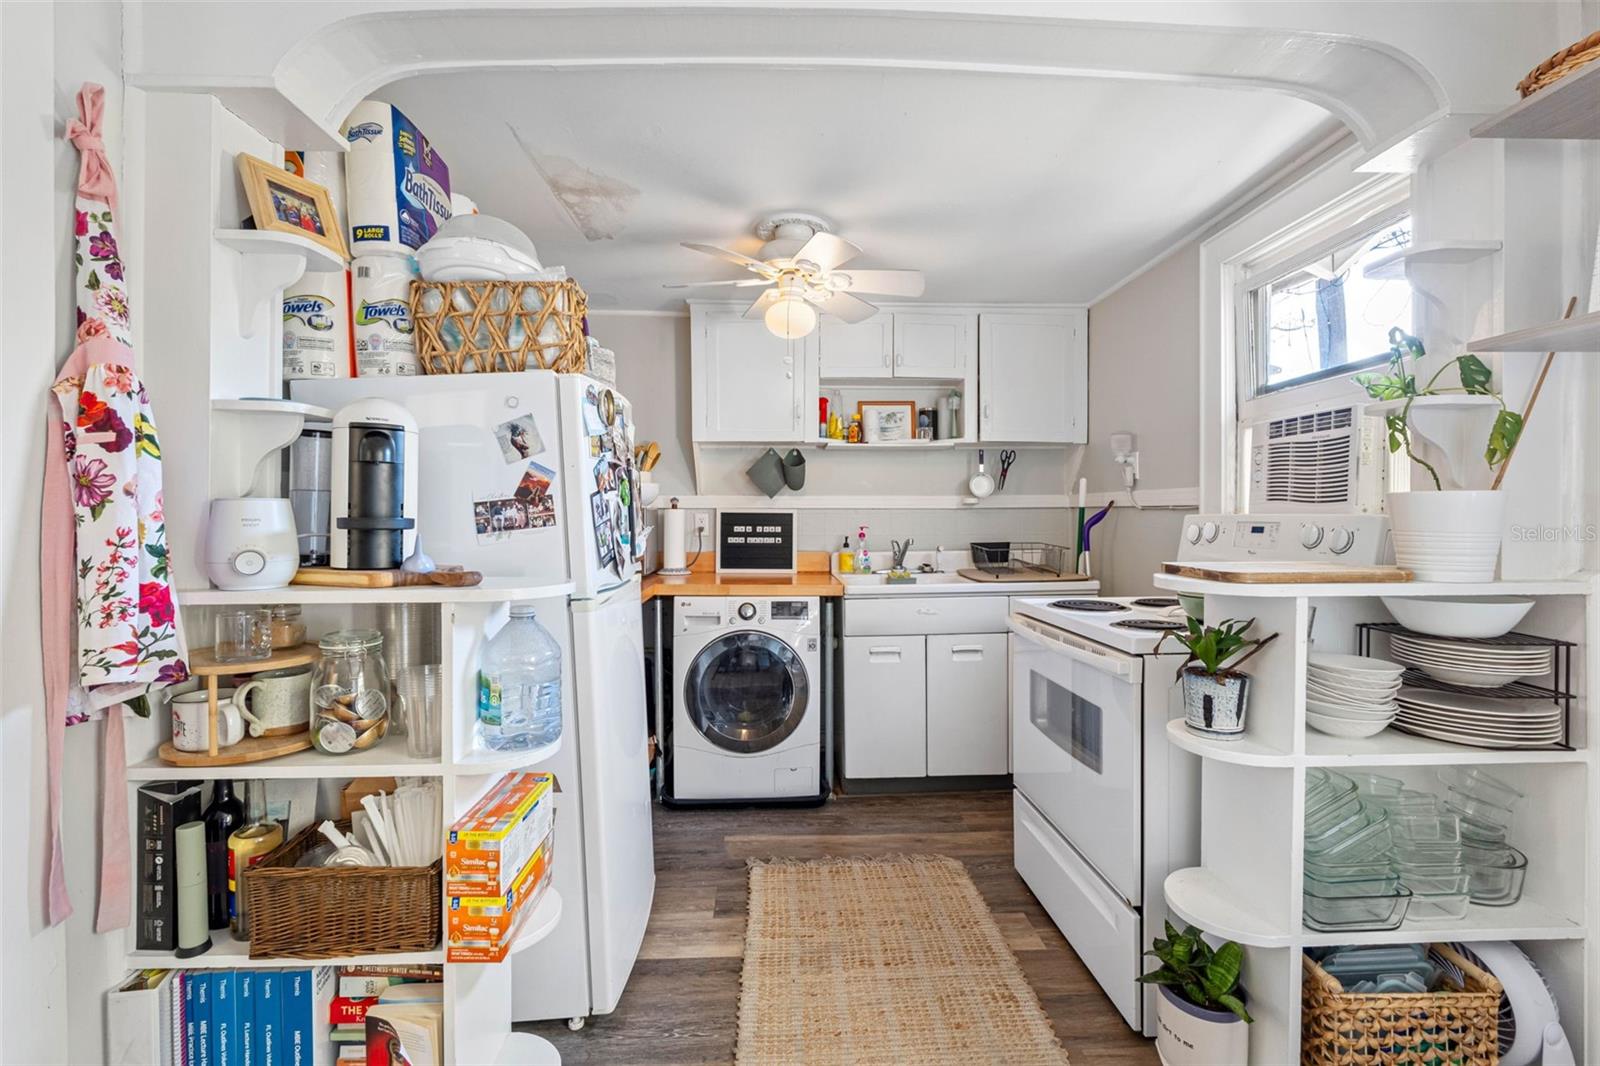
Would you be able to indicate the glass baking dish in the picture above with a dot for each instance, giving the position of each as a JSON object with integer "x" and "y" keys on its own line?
{"x": 1326, "y": 789}
{"x": 1439, "y": 906}
{"x": 1337, "y": 914}
{"x": 1329, "y": 832}
{"x": 1375, "y": 785}
{"x": 1370, "y": 841}
{"x": 1408, "y": 801}
{"x": 1383, "y": 885}
{"x": 1357, "y": 870}
{"x": 1470, "y": 806}
{"x": 1481, "y": 785}
{"x": 1496, "y": 875}
{"x": 1433, "y": 828}
{"x": 1410, "y": 854}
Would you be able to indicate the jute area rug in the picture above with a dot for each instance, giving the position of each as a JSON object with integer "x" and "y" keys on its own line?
{"x": 882, "y": 961}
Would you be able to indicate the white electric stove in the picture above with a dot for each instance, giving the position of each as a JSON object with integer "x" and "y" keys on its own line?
{"x": 1104, "y": 806}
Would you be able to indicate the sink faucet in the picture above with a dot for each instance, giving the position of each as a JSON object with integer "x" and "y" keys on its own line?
{"x": 901, "y": 548}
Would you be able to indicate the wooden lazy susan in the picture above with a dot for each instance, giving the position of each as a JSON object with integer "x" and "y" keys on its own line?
{"x": 203, "y": 664}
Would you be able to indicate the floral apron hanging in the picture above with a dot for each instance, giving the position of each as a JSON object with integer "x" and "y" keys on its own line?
{"x": 110, "y": 620}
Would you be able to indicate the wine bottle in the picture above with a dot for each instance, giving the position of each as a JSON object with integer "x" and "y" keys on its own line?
{"x": 222, "y": 817}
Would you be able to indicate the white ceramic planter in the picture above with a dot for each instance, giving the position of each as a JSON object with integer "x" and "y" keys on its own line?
{"x": 1187, "y": 1035}
{"x": 1448, "y": 536}
{"x": 1214, "y": 706}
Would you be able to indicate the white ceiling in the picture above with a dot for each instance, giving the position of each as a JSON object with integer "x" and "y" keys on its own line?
{"x": 1000, "y": 188}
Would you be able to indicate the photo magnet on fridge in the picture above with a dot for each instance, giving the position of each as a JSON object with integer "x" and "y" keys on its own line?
{"x": 536, "y": 482}
{"x": 597, "y": 445}
{"x": 592, "y": 422}
{"x": 519, "y": 439}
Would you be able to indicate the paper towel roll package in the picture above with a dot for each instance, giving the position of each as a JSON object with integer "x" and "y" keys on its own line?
{"x": 316, "y": 326}
{"x": 385, "y": 337}
{"x": 397, "y": 186}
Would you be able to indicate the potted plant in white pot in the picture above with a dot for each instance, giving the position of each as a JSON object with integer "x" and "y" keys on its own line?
{"x": 1201, "y": 1018}
{"x": 1448, "y": 531}
{"x": 1215, "y": 694}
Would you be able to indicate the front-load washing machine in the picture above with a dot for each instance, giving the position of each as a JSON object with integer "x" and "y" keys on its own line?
{"x": 747, "y": 717}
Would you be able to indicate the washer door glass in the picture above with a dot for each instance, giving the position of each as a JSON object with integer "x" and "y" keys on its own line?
{"x": 746, "y": 692}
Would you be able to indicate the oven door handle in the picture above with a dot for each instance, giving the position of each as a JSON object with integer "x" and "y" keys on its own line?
{"x": 1126, "y": 669}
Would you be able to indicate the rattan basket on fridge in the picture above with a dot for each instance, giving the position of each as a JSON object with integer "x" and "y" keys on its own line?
{"x": 322, "y": 912}
{"x": 465, "y": 327}
{"x": 1339, "y": 1028}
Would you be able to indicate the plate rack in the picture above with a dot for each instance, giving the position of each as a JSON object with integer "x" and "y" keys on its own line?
{"x": 1559, "y": 691}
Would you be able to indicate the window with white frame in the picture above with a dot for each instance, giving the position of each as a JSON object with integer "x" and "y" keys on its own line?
{"x": 1325, "y": 311}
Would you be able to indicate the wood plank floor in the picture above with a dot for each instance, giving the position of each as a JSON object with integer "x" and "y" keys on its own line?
{"x": 681, "y": 1003}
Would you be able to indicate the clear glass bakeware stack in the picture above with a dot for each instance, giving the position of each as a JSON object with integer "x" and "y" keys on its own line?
{"x": 1377, "y": 853}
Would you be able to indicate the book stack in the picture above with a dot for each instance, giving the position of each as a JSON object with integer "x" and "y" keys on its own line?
{"x": 252, "y": 1017}
{"x": 363, "y": 989}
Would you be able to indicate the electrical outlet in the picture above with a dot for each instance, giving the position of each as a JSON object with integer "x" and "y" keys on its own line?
{"x": 702, "y": 523}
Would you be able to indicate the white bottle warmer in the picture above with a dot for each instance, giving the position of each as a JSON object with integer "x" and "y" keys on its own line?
{"x": 373, "y": 502}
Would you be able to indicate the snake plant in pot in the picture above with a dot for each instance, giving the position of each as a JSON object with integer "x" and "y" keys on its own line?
{"x": 1201, "y": 1018}
{"x": 1451, "y": 529}
{"x": 1215, "y": 695}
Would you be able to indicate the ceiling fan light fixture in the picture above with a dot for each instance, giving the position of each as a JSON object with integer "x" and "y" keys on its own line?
{"x": 791, "y": 318}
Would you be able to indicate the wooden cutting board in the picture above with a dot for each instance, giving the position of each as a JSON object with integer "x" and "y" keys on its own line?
{"x": 1288, "y": 574}
{"x": 327, "y": 577}
{"x": 1020, "y": 575}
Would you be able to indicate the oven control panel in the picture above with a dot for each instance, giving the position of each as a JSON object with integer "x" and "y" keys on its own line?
{"x": 1345, "y": 539}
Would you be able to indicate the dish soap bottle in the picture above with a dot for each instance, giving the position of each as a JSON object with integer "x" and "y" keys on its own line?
{"x": 519, "y": 685}
{"x": 863, "y": 557}
{"x": 847, "y": 559}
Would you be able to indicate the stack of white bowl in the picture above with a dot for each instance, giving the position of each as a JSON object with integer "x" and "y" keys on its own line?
{"x": 1351, "y": 695}
{"x": 1454, "y": 555}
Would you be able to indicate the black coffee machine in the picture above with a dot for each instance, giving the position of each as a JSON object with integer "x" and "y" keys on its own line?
{"x": 374, "y": 494}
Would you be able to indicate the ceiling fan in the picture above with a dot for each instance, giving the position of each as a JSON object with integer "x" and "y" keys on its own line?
{"x": 801, "y": 261}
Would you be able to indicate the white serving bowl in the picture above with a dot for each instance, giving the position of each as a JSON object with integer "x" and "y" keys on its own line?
{"x": 1355, "y": 666}
{"x": 1343, "y": 727}
{"x": 1353, "y": 693}
{"x": 1352, "y": 714}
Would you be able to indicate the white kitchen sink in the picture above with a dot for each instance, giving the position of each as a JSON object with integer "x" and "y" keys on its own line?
{"x": 942, "y": 577}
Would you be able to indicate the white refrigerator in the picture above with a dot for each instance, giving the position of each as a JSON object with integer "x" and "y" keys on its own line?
{"x": 532, "y": 474}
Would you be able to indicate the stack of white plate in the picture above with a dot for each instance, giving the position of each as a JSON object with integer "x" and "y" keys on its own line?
{"x": 1448, "y": 556}
{"x": 1351, "y": 695}
{"x": 1481, "y": 721}
{"x": 1471, "y": 665}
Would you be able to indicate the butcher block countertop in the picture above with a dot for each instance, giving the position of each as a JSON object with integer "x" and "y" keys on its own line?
{"x": 811, "y": 579}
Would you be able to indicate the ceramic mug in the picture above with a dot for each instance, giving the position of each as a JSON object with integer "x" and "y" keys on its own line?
{"x": 276, "y": 703}
{"x": 190, "y": 721}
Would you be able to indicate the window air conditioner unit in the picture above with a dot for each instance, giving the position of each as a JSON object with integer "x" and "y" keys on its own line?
{"x": 1331, "y": 460}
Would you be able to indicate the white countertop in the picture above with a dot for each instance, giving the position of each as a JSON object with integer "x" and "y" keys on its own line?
{"x": 946, "y": 582}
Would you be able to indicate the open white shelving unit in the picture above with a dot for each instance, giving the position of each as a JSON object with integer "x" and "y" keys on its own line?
{"x": 477, "y": 1016}
{"x": 1398, "y": 264}
{"x": 1581, "y": 333}
{"x": 1247, "y": 887}
{"x": 1567, "y": 110}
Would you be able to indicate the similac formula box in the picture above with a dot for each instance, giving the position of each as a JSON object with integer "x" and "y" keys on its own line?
{"x": 397, "y": 186}
{"x": 483, "y": 928}
{"x": 489, "y": 846}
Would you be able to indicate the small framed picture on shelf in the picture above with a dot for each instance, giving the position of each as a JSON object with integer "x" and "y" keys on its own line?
{"x": 287, "y": 203}
{"x": 884, "y": 421}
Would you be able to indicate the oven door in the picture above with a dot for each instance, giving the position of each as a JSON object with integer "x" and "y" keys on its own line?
{"x": 1077, "y": 714}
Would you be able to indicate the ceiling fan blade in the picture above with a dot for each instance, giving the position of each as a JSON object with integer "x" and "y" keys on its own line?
{"x": 764, "y": 301}
{"x": 846, "y": 308}
{"x": 884, "y": 282}
{"x": 827, "y": 251}
{"x": 732, "y": 257}
{"x": 740, "y": 282}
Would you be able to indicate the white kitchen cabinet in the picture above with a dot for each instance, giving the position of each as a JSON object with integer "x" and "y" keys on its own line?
{"x": 885, "y": 700}
{"x": 748, "y": 384}
{"x": 1033, "y": 376}
{"x": 934, "y": 344}
{"x": 859, "y": 350}
{"x": 967, "y": 707}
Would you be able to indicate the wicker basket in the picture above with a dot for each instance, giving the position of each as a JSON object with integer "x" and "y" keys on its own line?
{"x": 464, "y": 327}
{"x": 320, "y": 912}
{"x": 1558, "y": 66}
{"x": 1339, "y": 1028}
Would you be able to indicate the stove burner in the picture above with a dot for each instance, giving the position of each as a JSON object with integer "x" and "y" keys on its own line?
{"x": 1158, "y": 624}
{"x": 1156, "y": 601}
{"x": 1088, "y": 605}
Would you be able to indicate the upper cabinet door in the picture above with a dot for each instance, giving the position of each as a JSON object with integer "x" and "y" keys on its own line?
{"x": 933, "y": 344}
{"x": 863, "y": 350}
{"x": 749, "y": 385}
{"x": 1033, "y": 376}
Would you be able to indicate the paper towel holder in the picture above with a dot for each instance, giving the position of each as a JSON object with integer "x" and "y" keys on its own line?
{"x": 674, "y": 528}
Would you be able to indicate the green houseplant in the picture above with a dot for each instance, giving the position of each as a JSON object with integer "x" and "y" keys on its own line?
{"x": 1451, "y": 533}
{"x": 1200, "y": 1011}
{"x": 1215, "y": 696}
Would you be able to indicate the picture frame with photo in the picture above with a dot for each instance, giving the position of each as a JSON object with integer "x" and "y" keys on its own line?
{"x": 282, "y": 202}
{"x": 886, "y": 421}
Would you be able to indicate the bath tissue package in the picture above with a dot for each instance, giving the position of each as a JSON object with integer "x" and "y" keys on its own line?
{"x": 316, "y": 326}
{"x": 385, "y": 336}
{"x": 397, "y": 186}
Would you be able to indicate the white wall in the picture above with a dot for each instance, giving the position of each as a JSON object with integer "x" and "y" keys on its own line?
{"x": 43, "y": 60}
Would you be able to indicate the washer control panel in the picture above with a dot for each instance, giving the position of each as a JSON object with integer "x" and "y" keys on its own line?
{"x": 1349, "y": 539}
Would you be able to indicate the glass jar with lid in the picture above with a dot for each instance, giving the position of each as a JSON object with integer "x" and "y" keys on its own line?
{"x": 288, "y": 628}
{"x": 349, "y": 692}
